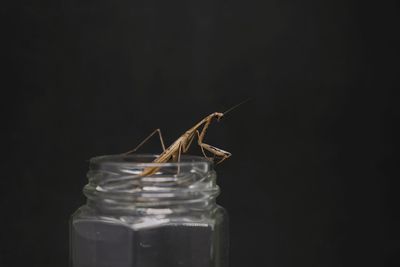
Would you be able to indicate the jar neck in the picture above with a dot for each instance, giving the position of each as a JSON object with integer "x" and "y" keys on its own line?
{"x": 116, "y": 185}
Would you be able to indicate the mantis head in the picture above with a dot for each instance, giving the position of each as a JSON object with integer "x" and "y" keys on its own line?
{"x": 218, "y": 115}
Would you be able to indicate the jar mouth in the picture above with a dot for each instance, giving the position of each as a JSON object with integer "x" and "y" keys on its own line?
{"x": 146, "y": 160}
{"x": 119, "y": 179}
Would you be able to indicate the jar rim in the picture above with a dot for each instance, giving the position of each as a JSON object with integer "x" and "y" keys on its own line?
{"x": 145, "y": 160}
{"x": 117, "y": 178}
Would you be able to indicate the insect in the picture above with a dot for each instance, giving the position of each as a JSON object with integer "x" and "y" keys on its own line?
{"x": 182, "y": 144}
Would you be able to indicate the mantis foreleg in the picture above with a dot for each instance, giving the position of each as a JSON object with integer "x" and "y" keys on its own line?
{"x": 214, "y": 150}
{"x": 202, "y": 149}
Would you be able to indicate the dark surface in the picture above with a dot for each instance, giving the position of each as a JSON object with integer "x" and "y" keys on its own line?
{"x": 311, "y": 180}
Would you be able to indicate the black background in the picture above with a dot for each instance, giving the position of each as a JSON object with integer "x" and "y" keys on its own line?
{"x": 311, "y": 179}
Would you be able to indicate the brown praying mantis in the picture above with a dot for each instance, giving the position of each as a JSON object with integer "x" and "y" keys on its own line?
{"x": 182, "y": 144}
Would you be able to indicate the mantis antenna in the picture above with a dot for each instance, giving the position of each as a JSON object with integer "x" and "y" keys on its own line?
{"x": 237, "y": 105}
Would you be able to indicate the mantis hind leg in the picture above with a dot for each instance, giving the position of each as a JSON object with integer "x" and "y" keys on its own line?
{"x": 146, "y": 139}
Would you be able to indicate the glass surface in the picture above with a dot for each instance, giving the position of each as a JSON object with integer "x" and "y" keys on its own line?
{"x": 166, "y": 219}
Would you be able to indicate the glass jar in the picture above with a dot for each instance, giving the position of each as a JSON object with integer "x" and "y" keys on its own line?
{"x": 167, "y": 219}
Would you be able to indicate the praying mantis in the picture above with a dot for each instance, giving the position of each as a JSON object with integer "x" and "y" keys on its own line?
{"x": 182, "y": 144}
